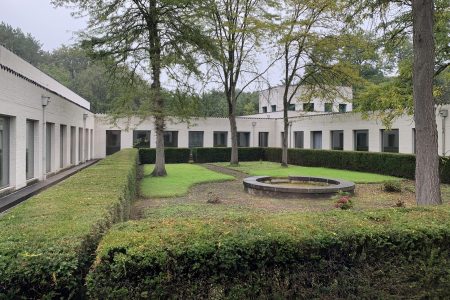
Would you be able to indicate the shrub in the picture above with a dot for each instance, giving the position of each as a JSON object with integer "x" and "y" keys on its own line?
{"x": 47, "y": 243}
{"x": 392, "y": 186}
{"x": 218, "y": 154}
{"x": 392, "y": 253}
{"x": 172, "y": 155}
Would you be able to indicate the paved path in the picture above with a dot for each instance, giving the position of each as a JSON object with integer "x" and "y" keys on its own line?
{"x": 11, "y": 200}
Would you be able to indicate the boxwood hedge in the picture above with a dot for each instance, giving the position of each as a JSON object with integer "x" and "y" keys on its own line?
{"x": 391, "y": 253}
{"x": 47, "y": 243}
{"x": 172, "y": 155}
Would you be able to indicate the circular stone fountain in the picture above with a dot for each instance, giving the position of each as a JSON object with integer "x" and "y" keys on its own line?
{"x": 296, "y": 186}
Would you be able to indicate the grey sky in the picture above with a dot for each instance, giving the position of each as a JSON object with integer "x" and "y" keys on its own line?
{"x": 51, "y": 26}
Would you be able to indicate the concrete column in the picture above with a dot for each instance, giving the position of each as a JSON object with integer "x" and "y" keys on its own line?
{"x": 405, "y": 140}
{"x": 349, "y": 140}
{"x": 18, "y": 140}
{"x": 326, "y": 140}
{"x": 375, "y": 140}
{"x": 307, "y": 139}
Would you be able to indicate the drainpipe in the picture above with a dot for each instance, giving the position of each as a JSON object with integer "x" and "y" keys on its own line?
{"x": 44, "y": 101}
{"x": 443, "y": 113}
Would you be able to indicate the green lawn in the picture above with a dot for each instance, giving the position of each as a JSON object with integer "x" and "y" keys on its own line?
{"x": 275, "y": 170}
{"x": 180, "y": 177}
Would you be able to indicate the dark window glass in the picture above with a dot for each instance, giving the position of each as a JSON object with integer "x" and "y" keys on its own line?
{"x": 243, "y": 139}
{"x": 73, "y": 147}
{"x": 171, "y": 139}
{"x": 291, "y": 107}
{"x": 264, "y": 109}
{"x": 361, "y": 140}
{"x": 342, "y": 108}
{"x": 112, "y": 141}
{"x": 298, "y": 139}
{"x": 389, "y": 140}
{"x": 141, "y": 138}
{"x": 62, "y": 144}
{"x": 337, "y": 140}
{"x": 29, "y": 160}
{"x": 4, "y": 151}
{"x": 263, "y": 140}
{"x": 316, "y": 139}
{"x": 328, "y": 107}
{"x": 220, "y": 138}
{"x": 274, "y": 108}
{"x": 195, "y": 139}
{"x": 308, "y": 106}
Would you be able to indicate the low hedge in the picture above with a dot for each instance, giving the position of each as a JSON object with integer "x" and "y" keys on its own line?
{"x": 47, "y": 243}
{"x": 219, "y": 154}
{"x": 172, "y": 155}
{"x": 392, "y": 164}
{"x": 391, "y": 253}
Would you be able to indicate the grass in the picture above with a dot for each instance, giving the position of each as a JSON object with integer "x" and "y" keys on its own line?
{"x": 180, "y": 177}
{"x": 275, "y": 170}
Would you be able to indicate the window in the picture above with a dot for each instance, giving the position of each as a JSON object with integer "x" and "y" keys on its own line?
{"x": 4, "y": 151}
{"x": 328, "y": 107}
{"x": 141, "y": 138}
{"x": 112, "y": 141}
{"x": 263, "y": 139}
{"x": 220, "y": 138}
{"x": 316, "y": 139}
{"x": 62, "y": 145}
{"x": 389, "y": 140}
{"x": 171, "y": 139}
{"x": 298, "y": 139}
{"x": 337, "y": 140}
{"x": 195, "y": 139}
{"x": 264, "y": 109}
{"x": 243, "y": 139}
{"x": 361, "y": 140}
{"x": 291, "y": 107}
{"x": 29, "y": 156}
{"x": 73, "y": 143}
{"x": 48, "y": 147}
{"x": 342, "y": 108}
{"x": 274, "y": 108}
{"x": 308, "y": 106}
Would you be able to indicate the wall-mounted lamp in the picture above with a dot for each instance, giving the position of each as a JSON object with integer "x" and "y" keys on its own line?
{"x": 253, "y": 124}
{"x": 85, "y": 116}
{"x": 45, "y": 100}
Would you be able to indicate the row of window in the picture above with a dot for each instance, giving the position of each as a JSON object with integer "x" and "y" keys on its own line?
{"x": 31, "y": 148}
{"x": 141, "y": 139}
{"x": 309, "y": 107}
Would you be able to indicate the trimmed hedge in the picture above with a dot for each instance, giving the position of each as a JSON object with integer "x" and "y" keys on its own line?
{"x": 172, "y": 155}
{"x": 391, "y": 253}
{"x": 218, "y": 154}
{"x": 47, "y": 243}
{"x": 392, "y": 164}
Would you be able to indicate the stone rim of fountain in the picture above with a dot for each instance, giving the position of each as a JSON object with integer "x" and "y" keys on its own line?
{"x": 257, "y": 185}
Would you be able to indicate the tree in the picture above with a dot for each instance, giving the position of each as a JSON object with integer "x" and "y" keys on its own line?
{"x": 148, "y": 36}
{"x": 427, "y": 159}
{"x": 309, "y": 46}
{"x": 428, "y": 61}
{"x": 235, "y": 27}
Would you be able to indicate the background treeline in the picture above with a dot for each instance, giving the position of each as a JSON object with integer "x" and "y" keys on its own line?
{"x": 73, "y": 67}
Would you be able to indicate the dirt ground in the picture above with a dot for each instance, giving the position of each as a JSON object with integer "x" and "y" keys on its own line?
{"x": 232, "y": 194}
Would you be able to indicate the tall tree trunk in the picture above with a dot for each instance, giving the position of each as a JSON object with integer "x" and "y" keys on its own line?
{"x": 284, "y": 142}
{"x": 234, "y": 161}
{"x": 427, "y": 159}
{"x": 155, "y": 64}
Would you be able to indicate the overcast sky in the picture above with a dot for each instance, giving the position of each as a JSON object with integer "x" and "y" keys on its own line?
{"x": 51, "y": 26}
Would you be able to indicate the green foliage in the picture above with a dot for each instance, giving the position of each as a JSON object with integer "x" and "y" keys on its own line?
{"x": 214, "y": 104}
{"x": 172, "y": 155}
{"x": 46, "y": 243}
{"x": 391, "y": 253}
{"x": 179, "y": 179}
{"x": 276, "y": 170}
{"x": 219, "y": 154}
{"x": 392, "y": 186}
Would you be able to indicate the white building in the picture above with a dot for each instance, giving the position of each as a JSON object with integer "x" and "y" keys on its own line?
{"x": 46, "y": 128}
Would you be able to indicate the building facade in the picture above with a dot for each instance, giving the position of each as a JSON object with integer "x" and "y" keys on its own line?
{"x": 46, "y": 128}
